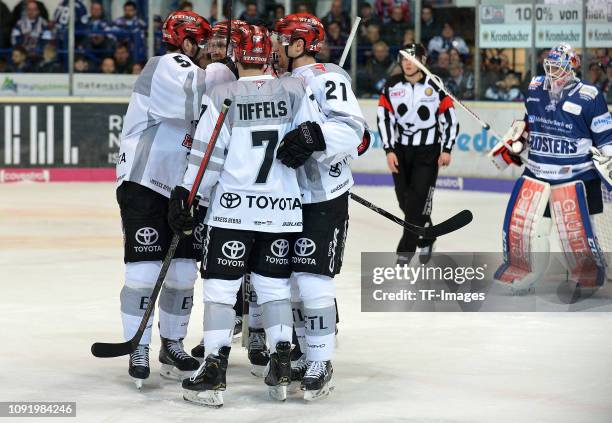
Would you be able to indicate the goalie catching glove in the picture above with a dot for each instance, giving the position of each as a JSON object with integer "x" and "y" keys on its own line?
{"x": 603, "y": 165}
{"x": 180, "y": 218}
{"x": 299, "y": 144}
{"x": 516, "y": 138}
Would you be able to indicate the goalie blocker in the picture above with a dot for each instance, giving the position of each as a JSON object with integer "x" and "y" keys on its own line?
{"x": 527, "y": 227}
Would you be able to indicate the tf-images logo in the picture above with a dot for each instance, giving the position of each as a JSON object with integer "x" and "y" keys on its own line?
{"x": 147, "y": 237}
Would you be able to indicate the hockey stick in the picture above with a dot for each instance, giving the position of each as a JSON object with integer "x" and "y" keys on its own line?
{"x": 349, "y": 41}
{"x": 456, "y": 222}
{"x": 440, "y": 84}
{"x": 103, "y": 349}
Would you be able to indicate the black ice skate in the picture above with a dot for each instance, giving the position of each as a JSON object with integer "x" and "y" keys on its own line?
{"x": 205, "y": 386}
{"x": 278, "y": 372}
{"x": 259, "y": 356}
{"x": 317, "y": 382}
{"x": 198, "y": 351}
{"x": 176, "y": 363}
{"x": 298, "y": 364}
{"x": 139, "y": 368}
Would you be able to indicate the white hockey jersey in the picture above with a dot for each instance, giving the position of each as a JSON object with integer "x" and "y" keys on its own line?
{"x": 161, "y": 118}
{"x": 247, "y": 186}
{"x": 327, "y": 175}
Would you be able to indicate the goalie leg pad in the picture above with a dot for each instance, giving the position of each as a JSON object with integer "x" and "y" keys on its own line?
{"x": 583, "y": 256}
{"x": 525, "y": 235}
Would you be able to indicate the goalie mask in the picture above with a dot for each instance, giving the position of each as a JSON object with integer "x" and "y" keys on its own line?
{"x": 559, "y": 67}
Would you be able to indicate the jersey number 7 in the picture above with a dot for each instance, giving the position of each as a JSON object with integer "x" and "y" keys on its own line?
{"x": 271, "y": 139}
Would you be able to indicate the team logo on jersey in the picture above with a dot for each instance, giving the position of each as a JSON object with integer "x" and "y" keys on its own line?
{"x": 230, "y": 200}
{"x": 233, "y": 250}
{"x": 259, "y": 84}
{"x": 335, "y": 170}
{"x": 280, "y": 248}
{"x": 146, "y": 236}
{"x": 428, "y": 91}
{"x": 304, "y": 247}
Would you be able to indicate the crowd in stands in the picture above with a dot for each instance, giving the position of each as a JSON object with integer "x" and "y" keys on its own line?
{"x": 35, "y": 41}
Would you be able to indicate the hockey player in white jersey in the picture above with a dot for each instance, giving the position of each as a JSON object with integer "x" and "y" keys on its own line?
{"x": 567, "y": 134}
{"x": 325, "y": 178}
{"x": 255, "y": 208}
{"x": 155, "y": 143}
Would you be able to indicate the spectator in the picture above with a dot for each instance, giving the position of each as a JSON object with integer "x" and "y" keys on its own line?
{"x": 19, "y": 11}
{"x": 5, "y": 26}
{"x": 442, "y": 65}
{"x": 372, "y": 36}
{"x": 136, "y": 68}
{"x": 49, "y": 63}
{"x": 507, "y": 89}
{"x": 187, "y": 6}
{"x": 108, "y": 65}
{"x": 367, "y": 17}
{"x": 461, "y": 84}
{"x": 32, "y": 31}
{"x": 251, "y": 15}
{"x": 601, "y": 56}
{"x": 384, "y": 9}
{"x": 61, "y": 17}
{"x": 336, "y": 14}
{"x": 336, "y": 41}
{"x": 492, "y": 73}
{"x": 302, "y": 8}
{"x": 446, "y": 40}
{"x": 130, "y": 28}
{"x": 81, "y": 65}
{"x": 607, "y": 88}
{"x": 408, "y": 37}
{"x": 371, "y": 80}
{"x": 97, "y": 18}
{"x": 122, "y": 61}
{"x": 279, "y": 12}
{"x": 504, "y": 66}
{"x": 394, "y": 29}
{"x": 429, "y": 26}
{"x": 19, "y": 60}
{"x": 597, "y": 75}
{"x": 454, "y": 56}
{"x": 213, "y": 13}
{"x": 98, "y": 43}
{"x": 4, "y": 66}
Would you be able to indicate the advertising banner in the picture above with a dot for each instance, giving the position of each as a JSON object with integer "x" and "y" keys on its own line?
{"x": 98, "y": 85}
{"x": 30, "y": 84}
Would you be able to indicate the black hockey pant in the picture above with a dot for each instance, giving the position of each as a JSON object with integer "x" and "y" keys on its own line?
{"x": 414, "y": 188}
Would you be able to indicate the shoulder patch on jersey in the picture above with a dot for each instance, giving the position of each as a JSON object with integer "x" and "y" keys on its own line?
{"x": 588, "y": 91}
{"x": 572, "y": 108}
{"x": 536, "y": 82}
{"x": 397, "y": 92}
{"x": 602, "y": 123}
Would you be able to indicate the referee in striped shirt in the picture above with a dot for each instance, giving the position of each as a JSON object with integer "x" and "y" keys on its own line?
{"x": 418, "y": 127}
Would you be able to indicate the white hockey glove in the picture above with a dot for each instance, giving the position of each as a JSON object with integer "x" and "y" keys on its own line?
{"x": 603, "y": 165}
{"x": 516, "y": 138}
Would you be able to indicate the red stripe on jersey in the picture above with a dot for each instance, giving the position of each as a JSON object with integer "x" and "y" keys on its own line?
{"x": 445, "y": 104}
{"x": 320, "y": 66}
{"x": 384, "y": 102}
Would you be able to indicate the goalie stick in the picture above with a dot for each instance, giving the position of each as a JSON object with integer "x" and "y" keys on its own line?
{"x": 103, "y": 349}
{"x": 452, "y": 224}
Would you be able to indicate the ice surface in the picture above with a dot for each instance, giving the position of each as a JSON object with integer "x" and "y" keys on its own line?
{"x": 61, "y": 273}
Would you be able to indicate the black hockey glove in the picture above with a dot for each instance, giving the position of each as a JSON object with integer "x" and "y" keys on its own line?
{"x": 180, "y": 218}
{"x": 299, "y": 144}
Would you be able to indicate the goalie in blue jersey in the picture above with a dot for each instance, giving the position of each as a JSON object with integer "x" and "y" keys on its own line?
{"x": 565, "y": 142}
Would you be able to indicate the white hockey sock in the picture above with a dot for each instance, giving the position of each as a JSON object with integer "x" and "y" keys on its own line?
{"x": 277, "y": 322}
{"x": 298, "y": 323}
{"x": 255, "y": 315}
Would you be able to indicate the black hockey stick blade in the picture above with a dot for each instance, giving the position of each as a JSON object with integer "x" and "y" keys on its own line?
{"x": 106, "y": 350}
{"x": 455, "y": 223}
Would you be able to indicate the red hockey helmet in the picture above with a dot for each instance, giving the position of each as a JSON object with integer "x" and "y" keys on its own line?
{"x": 251, "y": 44}
{"x": 180, "y": 25}
{"x": 301, "y": 26}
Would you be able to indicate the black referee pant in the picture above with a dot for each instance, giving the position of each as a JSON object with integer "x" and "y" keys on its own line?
{"x": 414, "y": 187}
